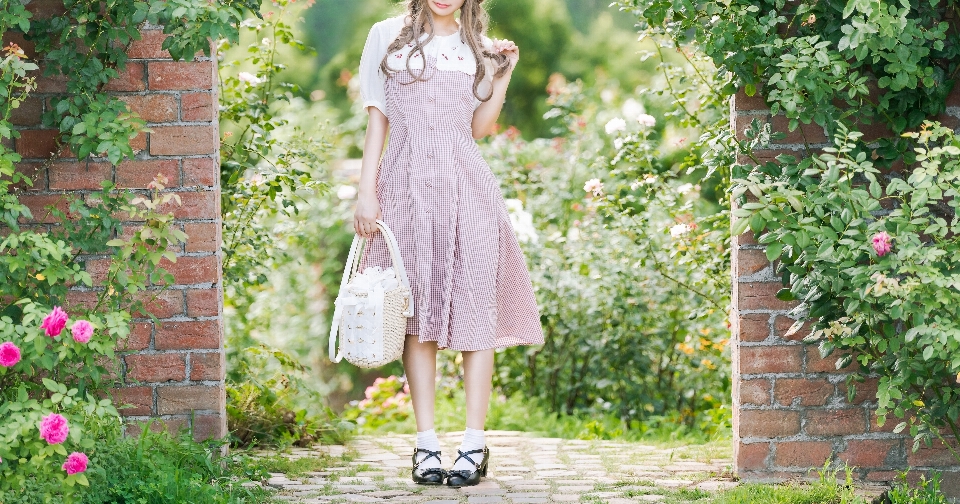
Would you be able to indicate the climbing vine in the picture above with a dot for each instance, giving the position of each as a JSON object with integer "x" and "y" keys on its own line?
{"x": 864, "y": 229}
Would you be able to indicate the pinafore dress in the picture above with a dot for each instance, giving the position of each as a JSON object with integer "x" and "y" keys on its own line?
{"x": 467, "y": 273}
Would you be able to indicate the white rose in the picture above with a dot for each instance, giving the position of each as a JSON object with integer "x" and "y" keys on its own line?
{"x": 249, "y": 78}
{"x": 679, "y": 230}
{"x": 614, "y": 125}
{"x": 647, "y": 120}
{"x": 346, "y": 192}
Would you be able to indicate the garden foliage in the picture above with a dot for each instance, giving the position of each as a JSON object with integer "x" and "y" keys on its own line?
{"x": 864, "y": 232}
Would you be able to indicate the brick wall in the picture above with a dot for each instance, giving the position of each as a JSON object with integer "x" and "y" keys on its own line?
{"x": 173, "y": 368}
{"x": 791, "y": 411}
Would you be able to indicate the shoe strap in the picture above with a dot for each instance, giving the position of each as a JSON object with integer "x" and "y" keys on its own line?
{"x": 434, "y": 454}
{"x": 466, "y": 455}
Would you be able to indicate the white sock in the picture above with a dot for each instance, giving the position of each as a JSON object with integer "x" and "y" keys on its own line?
{"x": 472, "y": 440}
{"x": 428, "y": 441}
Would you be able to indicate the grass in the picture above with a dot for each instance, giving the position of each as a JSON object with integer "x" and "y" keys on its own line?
{"x": 519, "y": 413}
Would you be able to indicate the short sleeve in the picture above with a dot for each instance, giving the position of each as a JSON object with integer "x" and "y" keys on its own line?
{"x": 372, "y": 78}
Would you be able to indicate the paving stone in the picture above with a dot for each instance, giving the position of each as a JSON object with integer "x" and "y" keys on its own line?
{"x": 483, "y": 499}
{"x": 442, "y": 502}
{"x": 530, "y": 499}
{"x": 359, "y": 498}
{"x": 716, "y": 486}
{"x": 521, "y": 495}
{"x": 354, "y": 488}
{"x": 578, "y": 488}
{"x": 650, "y": 498}
{"x": 565, "y": 497}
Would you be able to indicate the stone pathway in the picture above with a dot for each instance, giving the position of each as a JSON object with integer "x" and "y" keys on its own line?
{"x": 522, "y": 469}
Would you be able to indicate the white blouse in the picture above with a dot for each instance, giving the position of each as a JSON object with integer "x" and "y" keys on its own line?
{"x": 450, "y": 52}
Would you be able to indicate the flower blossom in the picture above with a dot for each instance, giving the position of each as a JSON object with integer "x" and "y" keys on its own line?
{"x": 647, "y": 120}
{"x": 54, "y": 428}
{"x": 82, "y": 331}
{"x": 679, "y": 230}
{"x": 9, "y": 354}
{"x": 614, "y": 125}
{"x": 881, "y": 243}
{"x": 249, "y": 78}
{"x": 76, "y": 463}
{"x": 54, "y": 323}
{"x": 595, "y": 186}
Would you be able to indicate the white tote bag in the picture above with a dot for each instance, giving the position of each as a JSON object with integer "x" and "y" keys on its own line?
{"x": 372, "y": 308}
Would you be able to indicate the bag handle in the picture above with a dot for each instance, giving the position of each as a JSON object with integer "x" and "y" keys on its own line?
{"x": 352, "y": 265}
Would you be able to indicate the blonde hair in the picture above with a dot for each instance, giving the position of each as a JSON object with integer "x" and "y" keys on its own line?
{"x": 473, "y": 27}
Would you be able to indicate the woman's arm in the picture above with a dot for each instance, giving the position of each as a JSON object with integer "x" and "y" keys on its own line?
{"x": 368, "y": 208}
{"x": 485, "y": 117}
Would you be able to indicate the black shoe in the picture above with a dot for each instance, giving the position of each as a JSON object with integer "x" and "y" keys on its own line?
{"x": 432, "y": 476}
{"x": 463, "y": 477}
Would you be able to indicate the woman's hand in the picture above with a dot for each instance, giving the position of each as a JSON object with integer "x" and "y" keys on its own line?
{"x": 366, "y": 216}
{"x": 508, "y": 48}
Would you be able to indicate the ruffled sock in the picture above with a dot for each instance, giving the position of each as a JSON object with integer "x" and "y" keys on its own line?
{"x": 428, "y": 441}
{"x": 473, "y": 439}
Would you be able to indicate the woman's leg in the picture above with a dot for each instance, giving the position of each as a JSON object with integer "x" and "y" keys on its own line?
{"x": 477, "y": 382}
{"x": 420, "y": 366}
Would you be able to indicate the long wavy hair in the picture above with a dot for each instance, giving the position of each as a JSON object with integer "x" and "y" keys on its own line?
{"x": 473, "y": 27}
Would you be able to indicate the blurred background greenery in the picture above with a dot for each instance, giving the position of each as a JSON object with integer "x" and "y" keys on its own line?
{"x": 632, "y": 283}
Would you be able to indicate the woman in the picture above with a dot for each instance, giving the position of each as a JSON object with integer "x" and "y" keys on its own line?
{"x": 438, "y": 84}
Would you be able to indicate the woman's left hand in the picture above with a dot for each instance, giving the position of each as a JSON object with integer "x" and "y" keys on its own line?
{"x": 508, "y": 48}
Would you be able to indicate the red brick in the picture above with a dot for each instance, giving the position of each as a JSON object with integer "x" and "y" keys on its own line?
{"x": 32, "y": 172}
{"x": 139, "y": 337}
{"x": 46, "y": 9}
{"x": 805, "y": 133}
{"x": 755, "y": 392}
{"x": 38, "y": 203}
{"x": 137, "y": 174}
{"x": 183, "y": 140}
{"x": 98, "y": 269}
{"x": 751, "y": 261}
{"x": 817, "y": 364}
{"x": 207, "y": 366}
{"x": 810, "y": 392}
{"x": 868, "y": 453}
{"x": 72, "y": 175}
{"x": 751, "y": 456}
{"x": 836, "y": 422}
{"x": 171, "y": 425}
{"x": 155, "y": 368}
{"x": 139, "y": 143}
{"x": 80, "y": 300}
{"x": 202, "y": 236}
{"x": 937, "y": 455}
{"x": 183, "y": 399}
{"x": 802, "y": 453}
{"x": 162, "y": 303}
{"x": 181, "y": 76}
{"x": 191, "y": 270}
{"x": 889, "y": 424}
{"x": 755, "y": 102}
{"x": 209, "y": 426}
{"x": 37, "y": 144}
{"x": 188, "y": 335}
{"x": 769, "y": 423}
{"x": 863, "y": 392}
{"x": 770, "y": 359}
{"x": 882, "y": 476}
{"x": 194, "y": 205}
{"x": 754, "y": 327}
{"x": 761, "y": 296}
{"x": 111, "y": 365}
{"x": 150, "y": 46}
{"x": 153, "y": 108}
{"x": 28, "y": 113}
{"x": 203, "y": 302}
{"x": 197, "y": 107}
{"x": 141, "y": 398}
{"x": 953, "y": 99}
{"x": 782, "y": 324}
{"x": 15, "y": 37}
{"x": 201, "y": 172}
{"x": 130, "y": 79}
{"x": 55, "y": 83}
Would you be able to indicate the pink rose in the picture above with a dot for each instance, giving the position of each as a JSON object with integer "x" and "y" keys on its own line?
{"x": 82, "y": 330}
{"x": 54, "y": 322}
{"x": 9, "y": 354}
{"x": 76, "y": 463}
{"x": 881, "y": 243}
{"x": 54, "y": 428}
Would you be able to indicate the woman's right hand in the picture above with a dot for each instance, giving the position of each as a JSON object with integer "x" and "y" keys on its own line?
{"x": 366, "y": 216}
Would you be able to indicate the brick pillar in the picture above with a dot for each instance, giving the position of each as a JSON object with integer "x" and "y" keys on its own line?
{"x": 791, "y": 412}
{"x": 175, "y": 367}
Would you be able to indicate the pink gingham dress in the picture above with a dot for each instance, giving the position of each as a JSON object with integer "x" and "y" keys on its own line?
{"x": 467, "y": 273}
